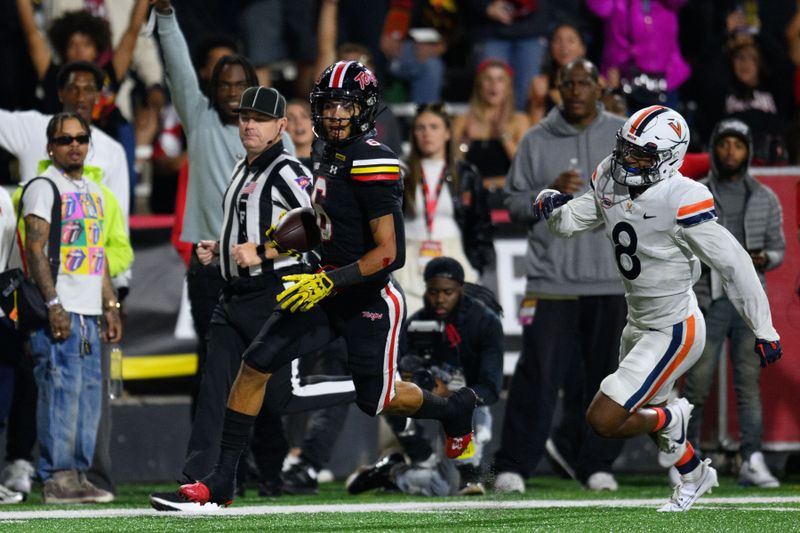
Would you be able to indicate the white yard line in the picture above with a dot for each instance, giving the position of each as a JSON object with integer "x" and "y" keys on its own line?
{"x": 396, "y": 507}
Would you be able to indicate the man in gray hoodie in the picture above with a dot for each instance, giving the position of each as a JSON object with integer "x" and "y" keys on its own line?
{"x": 573, "y": 285}
{"x": 752, "y": 213}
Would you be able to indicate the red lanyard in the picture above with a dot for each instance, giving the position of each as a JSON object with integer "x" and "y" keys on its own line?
{"x": 431, "y": 200}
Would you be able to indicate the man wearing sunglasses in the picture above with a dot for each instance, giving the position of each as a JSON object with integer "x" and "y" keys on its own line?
{"x": 66, "y": 351}
{"x": 22, "y": 133}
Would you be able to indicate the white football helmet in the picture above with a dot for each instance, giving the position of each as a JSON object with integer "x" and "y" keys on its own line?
{"x": 657, "y": 133}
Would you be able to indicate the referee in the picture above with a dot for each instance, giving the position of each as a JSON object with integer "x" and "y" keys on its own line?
{"x": 265, "y": 184}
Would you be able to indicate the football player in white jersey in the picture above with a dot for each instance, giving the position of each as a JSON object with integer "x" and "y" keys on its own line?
{"x": 660, "y": 223}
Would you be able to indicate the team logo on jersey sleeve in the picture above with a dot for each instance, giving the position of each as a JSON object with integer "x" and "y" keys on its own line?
{"x": 303, "y": 182}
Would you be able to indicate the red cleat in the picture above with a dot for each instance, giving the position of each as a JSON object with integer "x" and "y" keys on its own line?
{"x": 196, "y": 492}
{"x": 191, "y": 498}
{"x": 459, "y": 447}
{"x": 199, "y": 492}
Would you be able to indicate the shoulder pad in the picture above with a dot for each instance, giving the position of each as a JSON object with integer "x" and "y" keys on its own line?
{"x": 695, "y": 204}
{"x": 373, "y": 161}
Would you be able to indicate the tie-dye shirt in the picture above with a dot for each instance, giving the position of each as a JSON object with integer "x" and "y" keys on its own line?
{"x": 83, "y": 259}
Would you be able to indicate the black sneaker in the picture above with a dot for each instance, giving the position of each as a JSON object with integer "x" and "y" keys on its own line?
{"x": 374, "y": 476}
{"x": 300, "y": 478}
{"x": 270, "y": 488}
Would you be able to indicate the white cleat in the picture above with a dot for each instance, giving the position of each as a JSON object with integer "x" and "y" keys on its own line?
{"x": 687, "y": 492}
{"x": 508, "y": 482}
{"x": 672, "y": 438}
{"x": 755, "y": 473}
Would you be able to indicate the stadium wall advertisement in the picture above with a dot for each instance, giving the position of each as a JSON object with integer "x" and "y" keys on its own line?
{"x": 159, "y": 334}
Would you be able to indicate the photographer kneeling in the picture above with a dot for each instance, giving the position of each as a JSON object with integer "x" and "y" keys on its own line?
{"x": 455, "y": 340}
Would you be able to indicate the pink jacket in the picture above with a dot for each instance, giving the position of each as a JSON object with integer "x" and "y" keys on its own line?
{"x": 648, "y": 40}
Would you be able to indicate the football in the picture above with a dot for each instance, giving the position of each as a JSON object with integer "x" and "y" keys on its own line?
{"x": 297, "y": 230}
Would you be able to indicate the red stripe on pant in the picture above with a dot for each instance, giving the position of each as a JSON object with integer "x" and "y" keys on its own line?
{"x": 392, "y": 340}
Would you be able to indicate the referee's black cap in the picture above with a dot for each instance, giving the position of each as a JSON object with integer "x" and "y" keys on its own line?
{"x": 264, "y": 100}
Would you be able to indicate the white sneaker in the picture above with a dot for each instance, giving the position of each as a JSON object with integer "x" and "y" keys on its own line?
{"x": 18, "y": 476}
{"x": 672, "y": 437}
{"x": 9, "y": 496}
{"x": 687, "y": 492}
{"x": 602, "y": 481}
{"x": 755, "y": 473}
{"x": 325, "y": 476}
{"x": 508, "y": 482}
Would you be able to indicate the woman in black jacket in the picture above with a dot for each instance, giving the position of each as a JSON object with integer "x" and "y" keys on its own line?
{"x": 444, "y": 204}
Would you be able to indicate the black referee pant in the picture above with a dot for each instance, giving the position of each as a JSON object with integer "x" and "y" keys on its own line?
{"x": 588, "y": 328}
{"x": 244, "y": 305}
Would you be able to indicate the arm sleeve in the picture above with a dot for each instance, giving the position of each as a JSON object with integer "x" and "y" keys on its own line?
{"x": 117, "y": 243}
{"x": 717, "y": 248}
{"x": 775, "y": 242}
{"x": 520, "y": 188}
{"x": 490, "y": 374}
{"x": 16, "y": 132}
{"x": 116, "y": 178}
{"x": 181, "y": 77}
{"x": 378, "y": 187}
{"x": 146, "y": 62}
{"x": 575, "y": 216}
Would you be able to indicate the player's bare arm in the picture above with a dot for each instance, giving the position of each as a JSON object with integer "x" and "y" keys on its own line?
{"x": 385, "y": 251}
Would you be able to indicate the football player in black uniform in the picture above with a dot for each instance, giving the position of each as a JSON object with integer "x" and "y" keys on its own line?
{"x": 357, "y": 199}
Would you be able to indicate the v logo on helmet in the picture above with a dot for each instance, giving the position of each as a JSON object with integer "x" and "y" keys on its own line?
{"x": 676, "y": 127}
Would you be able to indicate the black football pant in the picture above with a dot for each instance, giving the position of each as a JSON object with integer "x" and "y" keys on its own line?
{"x": 244, "y": 306}
{"x": 588, "y": 328}
{"x": 204, "y": 283}
{"x": 367, "y": 317}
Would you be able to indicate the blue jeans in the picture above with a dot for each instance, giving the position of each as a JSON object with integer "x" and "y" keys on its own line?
{"x": 426, "y": 77}
{"x": 723, "y": 321}
{"x": 524, "y": 56}
{"x": 70, "y": 389}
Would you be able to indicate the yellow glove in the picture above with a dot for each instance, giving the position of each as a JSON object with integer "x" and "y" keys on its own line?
{"x": 307, "y": 291}
{"x": 272, "y": 243}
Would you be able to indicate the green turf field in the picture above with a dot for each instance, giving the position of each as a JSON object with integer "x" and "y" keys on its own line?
{"x": 548, "y": 505}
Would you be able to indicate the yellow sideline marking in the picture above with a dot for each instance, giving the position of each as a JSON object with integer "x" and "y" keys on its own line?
{"x": 159, "y": 366}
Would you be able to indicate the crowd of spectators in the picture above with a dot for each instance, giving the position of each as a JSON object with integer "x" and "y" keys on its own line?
{"x": 158, "y": 104}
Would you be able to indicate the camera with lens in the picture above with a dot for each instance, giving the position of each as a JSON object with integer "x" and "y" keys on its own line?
{"x": 428, "y": 357}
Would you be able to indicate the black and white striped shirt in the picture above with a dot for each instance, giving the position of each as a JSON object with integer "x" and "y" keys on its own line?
{"x": 256, "y": 196}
